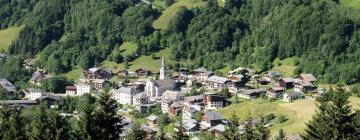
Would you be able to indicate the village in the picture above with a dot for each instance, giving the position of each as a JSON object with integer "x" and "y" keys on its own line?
{"x": 192, "y": 97}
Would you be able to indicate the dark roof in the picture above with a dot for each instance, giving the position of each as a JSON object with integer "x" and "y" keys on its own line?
{"x": 213, "y": 115}
{"x": 215, "y": 98}
{"x": 163, "y": 82}
{"x": 287, "y": 80}
{"x": 36, "y": 76}
{"x": 308, "y": 77}
{"x": 70, "y": 88}
{"x": 51, "y": 97}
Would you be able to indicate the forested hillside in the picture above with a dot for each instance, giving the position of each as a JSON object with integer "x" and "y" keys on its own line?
{"x": 64, "y": 34}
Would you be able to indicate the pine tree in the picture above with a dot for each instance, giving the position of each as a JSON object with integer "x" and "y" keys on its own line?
{"x": 249, "y": 131}
{"x": 85, "y": 130}
{"x": 232, "y": 133}
{"x": 57, "y": 126}
{"x": 39, "y": 130}
{"x": 136, "y": 133}
{"x": 281, "y": 135}
{"x": 10, "y": 124}
{"x": 107, "y": 121}
{"x": 334, "y": 118}
{"x": 262, "y": 132}
{"x": 160, "y": 135}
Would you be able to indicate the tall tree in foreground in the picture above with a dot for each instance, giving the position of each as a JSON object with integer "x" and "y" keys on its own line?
{"x": 10, "y": 124}
{"x": 281, "y": 135}
{"x": 232, "y": 133}
{"x": 180, "y": 134}
{"x": 334, "y": 118}
{"x": 136, "y": 133}
{"x": 107, "y": 121}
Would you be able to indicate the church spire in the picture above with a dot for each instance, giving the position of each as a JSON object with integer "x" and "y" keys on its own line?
{"x": 163, "y": 62}
{"x": 163, "y": 69}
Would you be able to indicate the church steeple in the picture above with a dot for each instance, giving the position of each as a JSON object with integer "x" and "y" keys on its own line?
{"x": 163, "y": 70}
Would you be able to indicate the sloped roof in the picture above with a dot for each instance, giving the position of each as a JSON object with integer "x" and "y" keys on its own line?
{"x": 288, "y": 80}
{"x": 308, "y": 77}
{"x": 7, "y": 85}
{"x": 211, "y": 115}
{"x": 152, "y": 117}
{"x": 163, "y": 82}
{"x": 202, "y": 70}
{"x": 217, "y": 79}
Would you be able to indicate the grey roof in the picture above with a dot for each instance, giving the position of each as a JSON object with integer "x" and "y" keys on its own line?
{"x": 7, "y": 85}
{"x": 152, "y": 117}
{"x": 125, "y": 90}
{"x": 213, "y": 115}
{"x": 163, "y": 82}
{"x": 217, "y": 79}
{"x": 273, "y": 74}
{"x": 255, "y": 91}
{"x": 288, "y": 80}
{"x": 52, "y": 97}
{"x": 36, "y": 76}
{"x": 18, "y": 102}
{"x": 140, "y": 96}
{"x": 219, "y": 127}
{"x": 308, "y": 77}
{"x": 202, "y": 70}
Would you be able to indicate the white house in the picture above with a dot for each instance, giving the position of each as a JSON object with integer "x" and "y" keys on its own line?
{"x": 82, "y": 88}
{"x": 173, "y": 95}
{"x": 217, "y": 82}
{"x": 155, "y": 88}
{"x": 200, "y": 74}
{"x": 123, "y": 95}
{"x": 35, "y": 94}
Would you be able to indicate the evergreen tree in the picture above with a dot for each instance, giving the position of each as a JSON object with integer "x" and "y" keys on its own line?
{"x": 85, "y": 130}
{"x": 160, "y": 135}
{"x": 57, "y": 126}
{"x": 137, "y": 133}
{"x": 180, "y": 133}
{"x": 232, "y": 133}
{"x": 281, "y": 135}
{"x": 107, "y": 121}
{"x": 262, "y": 132}
{"x": 334, "y": 118}
{"x": 10, "y": 124}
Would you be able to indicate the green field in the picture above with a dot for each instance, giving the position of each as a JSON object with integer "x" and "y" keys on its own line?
{"x": 163, "y": 21}
{"x": 144, "y": 61}
{"x": 7, "y": 36}
{"x": 74, "y": 74}
{"x": 286, "y": 67}
{"x": 127, "y": 48}
{"x": 351, "y": 3}
{"x": 297, "y": 112}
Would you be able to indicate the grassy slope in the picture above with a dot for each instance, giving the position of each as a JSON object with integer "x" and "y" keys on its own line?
{"x": 297, "y": 112}
{"x": 7, "y": 36}
{"x": 163, "y": 21}
{"x": 287, "y": 66}
{"x": 127, "y": 48}
{"x": 351, "y": 3}
{"x": 74, "y": 74}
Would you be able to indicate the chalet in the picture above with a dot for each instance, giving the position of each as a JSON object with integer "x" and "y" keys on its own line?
{"x": 165, "y": 105}
{"x": 288, "y": 97}
{"x": 275, "y": 92}
{"x": 307, "y": 77}
{"x": 70, "y": 90}
{"x": 237, "y": 81}
{"x": 190, "y": 126}
{"x": 218, "y": 130}
{"x": 213, "y": 102}
{"x": 37, "y": 77}
{"x": 189, "y": 110}
{"x": 262, "y": 81}
{"x": 210, "y": 119}
{"x": 173, "y": 95}
{"x": 123, "y": 95}
{"x": 96, "y": 73}
{"x": 99, "y": 83}
{"x": 286, "y": 83}
{"x": 142, "y": 72}
{"x": 197, "y": 99}
{"x": 176, "y": 108}
{"x": 140, "y": 99}
{"x": 251, "y": 93}
{"x": 200, "y": 74}
{"x": 272, "y": 75}
{"x": 7, "y": 85}
{"x": 152, "y": 120}
{"x": 82, "y": 88}
{"x": 34, "y": 94}
{"x": 216, "y": 82}
{"x": 155, "y": 88}
{"x": 302, "y": 86}
{"x": 183, "y": 72}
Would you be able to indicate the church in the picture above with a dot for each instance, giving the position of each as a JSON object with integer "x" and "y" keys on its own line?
{"x": 155, "y": 88}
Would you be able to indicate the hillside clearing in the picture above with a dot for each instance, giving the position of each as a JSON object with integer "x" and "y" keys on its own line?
{"x": 127, "y": 48}
{"x": 297, "y": 113}
{"x": 286, "y": 67}
{"x": 164, "y": 20}
{"x": 74, "y": 74}
{"x": 8, "y": 35}
{"x": 351, "y": 3}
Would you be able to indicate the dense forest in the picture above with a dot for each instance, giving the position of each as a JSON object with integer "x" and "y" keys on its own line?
{"x": 63, "y": 34}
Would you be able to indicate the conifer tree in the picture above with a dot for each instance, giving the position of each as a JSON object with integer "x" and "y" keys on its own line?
{"x": 10, "y": 124}
{"x": 39, "y": 128}
{"x": 281, "y": 135}
{"x": 180, "y": 134}
{"x": 85, "y": 130}
{"x": 232, "y": 133}
{"x": 334, "y": 118}
{"x": 262, "y": 132}
{"x": 136, "y": 133}
{"x": 57, "y": 127}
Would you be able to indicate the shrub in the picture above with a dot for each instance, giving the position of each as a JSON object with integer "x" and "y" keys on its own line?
{"x": 281, "y": 119}
{"x": 269, "y": 117}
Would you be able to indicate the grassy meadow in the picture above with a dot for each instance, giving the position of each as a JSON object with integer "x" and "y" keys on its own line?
{"x": 7, "y": 36}
{"x": 351, "y": 3}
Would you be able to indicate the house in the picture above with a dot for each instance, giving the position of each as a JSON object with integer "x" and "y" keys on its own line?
{"x": 150, "y": 132}
{"x": 155, "y": 88}
{"x": 37, "y": 77}
{"x": 251, "y": 93}
{"x": 152, "y": 120}
{"x": 286, "y": 83}
{"x": 200, "y": 74}
{"x": 237, "y": 81}
{"x": 123, "y": 95}
{"x": 52, "y": 101}
{"x": 82, "y": 88}
{"x": 218, "y": 130}
{"x": 70, "y": 90}
{"x": 210, "y": 119}
{"x": 189, "y": 110}
{"x": 190, "y": 126}
{"x": 275, "y": 92}
{"x": 302, "y": 86}
{"x": 213, "y": 102}
{"x": 216, "y": 82}
{"x": 142, "y": 72}
{"x": 176, "y": 107}
{"x": 7, "y": 85}
{"x": 183, "y": 73}
{"x": 272, "y": 75}
{"x": 165, "y": 105}
{"x": 34, "y": 94}
{"x": 99, "y": 83}
{"x": 173, "y": 95}
{"x": 123, "y": 73}
{"x": 307, "y": 77}
{"x": 96, "y": 73}
{"x": 140, "y": 99}
{"x": 197, "y": 99}
{"x": 288, "y": 97}
{"x": 262, "y": 81}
